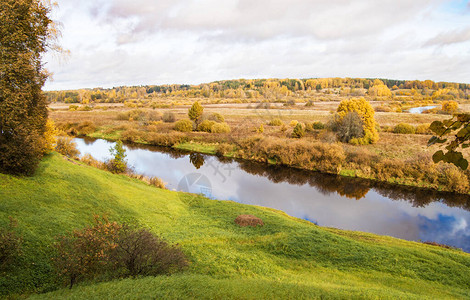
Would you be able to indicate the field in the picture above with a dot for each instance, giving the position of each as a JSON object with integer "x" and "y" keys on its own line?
{"x": 286, "y": 258}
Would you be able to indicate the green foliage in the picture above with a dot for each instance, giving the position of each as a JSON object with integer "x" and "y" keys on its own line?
{"x": 66, "y": 146}
{"x": 24, "y": 29}
{"x": 118, "y": 164}
{"x": 404, "y": 128}
{"x": 195, "y": 113}
{"x": 298, "y": 131}
{"x": 318, "y": 125}
{"x": 220, "y": 128}
{"x": 287, "y": 258}
{"x": 363, "y": 108}
{"x": 184, "y": 125}
{"x": 206, "y": 126}
{"x": 459, "y": 125}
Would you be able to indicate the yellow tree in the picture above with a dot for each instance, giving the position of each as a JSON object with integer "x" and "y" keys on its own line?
{"x": 365, "y": 111}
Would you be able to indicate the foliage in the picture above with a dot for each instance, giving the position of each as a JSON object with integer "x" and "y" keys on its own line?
{"x": 206, "y": 126}
{"x": 66, "y": 146}
{"x": 459, "y": 125}
{"x": 168, "y": 117}
{"x": 318, "y": 125}
{"x": 404, "y": 128}
{"x": 50, "y": 138}
{"x": 260, "y": 129}
{"x": 363, "y": 108}
{"x": 184, "y": 125}
{"x": 195, "y": 113}
{"x": 140, "y": 252}
{"x": 24, "y": 31}
{"x": 118, "y": 163}
{"x": 10, "y": 244}
{"x": 450, "y": 106}
{"x": 275, "y": 122}
{"x": 216, "y": 117}
{"x": 349, "y": 128}
{"x": 221, "y": 128}
{"x": 298, "y": 131}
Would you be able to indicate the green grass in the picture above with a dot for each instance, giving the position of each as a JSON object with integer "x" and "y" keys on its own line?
{"x": 286, "y": 258}
{"x": 197, "y": 147}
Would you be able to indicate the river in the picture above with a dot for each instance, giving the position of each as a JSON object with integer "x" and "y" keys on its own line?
{"x": 347, "y": 203}
{"x": 420, "y": 110}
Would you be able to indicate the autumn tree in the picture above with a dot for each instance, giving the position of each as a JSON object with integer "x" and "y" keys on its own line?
{"x": 25, "y": 29}
{"x": 195, "y": 113}
{"x": 366, "y": 113}
{"x": 379, "y": 89}
{"x": 450, "y": 106}
{"x": 118, "y": 164}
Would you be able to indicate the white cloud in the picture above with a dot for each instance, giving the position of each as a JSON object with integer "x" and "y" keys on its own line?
{"x": 118, "y": 42}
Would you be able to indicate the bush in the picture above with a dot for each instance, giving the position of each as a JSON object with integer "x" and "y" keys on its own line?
{"x": 423, "y": 129}
{"x": 275, "y": 122}
{"x": 168, "y": 117}
{"x": 366, "y": 113}
{"x": 166, "y": 139}
{"x": 298, "y": 131}
{"x": 450, "y": 106}
{"x": 248, "y": 220}
{"x": 86, "y": 128}
{"x": 404, "y": 128}
{"x": 220, "y": 128}
{"x": 223, "y": 149}
{"x": 206, "y": 126}
{"x": 349, "y": 127}
{"x": 131, "y": 135}
{"x": 50, "y": 139}
{"x": 158, "y": 182}
{"x": 10, "y": 245}
{"x": 91, "y": 161}
{"x": 184, "y": 125}
{"x": 139, "y": 252}
{"x": 66, "y": 146}
{"x": 216, "y": 117}
{"x": 318, "y": 125}
{"x": 293, "y": 123}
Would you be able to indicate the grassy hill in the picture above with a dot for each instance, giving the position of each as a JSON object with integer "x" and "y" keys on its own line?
{"x": 286, "y": 258}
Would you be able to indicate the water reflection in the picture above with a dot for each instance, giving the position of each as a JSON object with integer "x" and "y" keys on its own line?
{"x": 347, "y": 203}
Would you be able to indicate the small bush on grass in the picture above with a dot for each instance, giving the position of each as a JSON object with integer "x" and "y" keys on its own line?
{"x": 66, "y": 146}
{"x": 221, "y": 128}
{"x": 118, "y": 163}
{"x": 298, "y": 131}
{"x": 318, "y": 125}
{"x": 184, "y": 126}
{"x": 131, "y": 135}
{"x": 275, "y": 122}
{"x": 423, "y": 129}
{"x": 168, "y": 117}
{"x": 206, "y": 126}
{"x": 223, "y": 149}
{"x": 86, "y": 128}
{"x": 216, "y": 117}
{"x": 404, "y": 128}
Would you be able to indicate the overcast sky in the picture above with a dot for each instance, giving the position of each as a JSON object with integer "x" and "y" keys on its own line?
{"x": 140, "y": 42}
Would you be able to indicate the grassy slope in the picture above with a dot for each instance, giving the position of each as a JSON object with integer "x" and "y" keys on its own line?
{"x": 287, "y": 258}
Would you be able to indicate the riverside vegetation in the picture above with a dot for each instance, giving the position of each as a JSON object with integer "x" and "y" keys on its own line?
{"x": 351, "y": 127}
{"x": 285, "y": 258}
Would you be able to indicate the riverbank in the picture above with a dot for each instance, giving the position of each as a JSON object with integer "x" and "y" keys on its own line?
{"x": 287, "y": 257}
{"x": 416, "y": 170}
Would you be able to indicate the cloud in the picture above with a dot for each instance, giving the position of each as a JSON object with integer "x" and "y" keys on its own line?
{"x": 450, "y": 37}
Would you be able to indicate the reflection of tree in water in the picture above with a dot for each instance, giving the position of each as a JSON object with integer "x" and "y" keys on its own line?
{"x": 197, "y": 159}
{"x": 354, "y": 188}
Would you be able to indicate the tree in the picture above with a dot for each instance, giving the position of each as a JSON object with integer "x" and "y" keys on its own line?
{"x": 195, "y": 113}
{"x": 349, "y": 127}
{"x": 25, "y": 29}
{"x": 365, "y": 111}
{"x": 459, "y": 126}
{"x": 118, "y": 164}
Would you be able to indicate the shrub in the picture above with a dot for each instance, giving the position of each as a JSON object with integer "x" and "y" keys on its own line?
{"x": 318, "y": 125}
{"x": 118, "y": 163}
{"x": 365, "y": 111}
{"x": 349, "y": 127}
{"x": 404, "y": 128}
{"x": 221, "y": 128}
{"x": 423, "y": 129}
{"x": 293, "y": 123}
{"x": 450, "y": 106}
{"x": 298, "y": 131}
{"x": 165, "y": 139}
{"x": 275, "y": 122}
{"x": 85, "y": 128}
{"x": 168, "y": 117}
{"x": 248, "y": 220}
{"x": 139, "y": 252}
{"x": 260, "y": 129}
{"x": 10, "y": 245}
{"x": 195, "y": 113}
{"x": 283, "y": 128}
{"x": 131, "y": 135}
{"x": 73, "y": 107}
{"x": 308, "y": 127}
{"x": 206, "y": 126}
{"x": 455, "y": 180}
{"x": 50, "y": 139}
{"x": 216, "y": 117}
{"x": 223, "y": 149}
{"x": 91, "y": 161}
{"x": 184, "y": 125}
{"x": 158, "y": 182}
{"x": 66, "y": 146}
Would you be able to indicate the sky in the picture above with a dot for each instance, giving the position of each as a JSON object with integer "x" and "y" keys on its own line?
{"x": 149, "y": 42}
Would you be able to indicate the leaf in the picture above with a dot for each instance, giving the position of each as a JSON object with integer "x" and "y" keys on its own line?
{"x": 435, "y": 140}
{"x": 462, "y": 164}
{"x": 438, "y": 156}
{"x": 437, "y": 127}
{"x": 463, "y": 132}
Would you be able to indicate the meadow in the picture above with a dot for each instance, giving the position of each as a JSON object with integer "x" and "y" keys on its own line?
{"x": 285, "y": 258}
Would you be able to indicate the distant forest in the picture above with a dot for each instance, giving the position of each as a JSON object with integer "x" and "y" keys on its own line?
{"x": 376, "y": 89}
